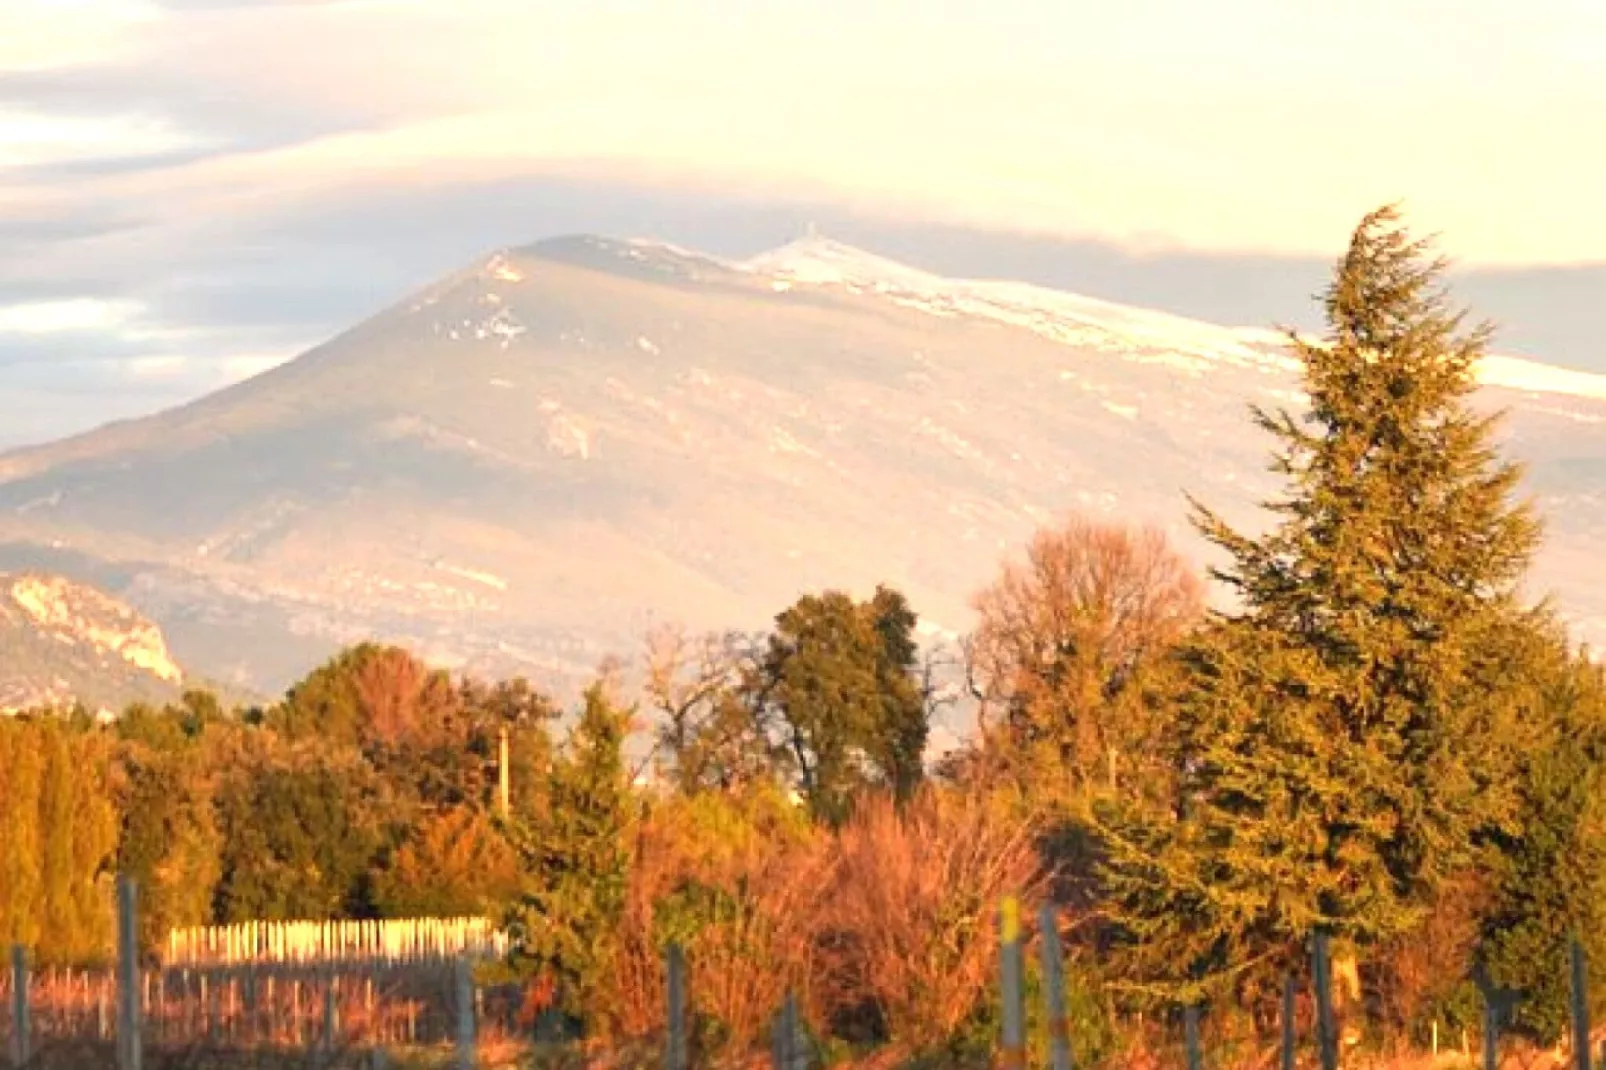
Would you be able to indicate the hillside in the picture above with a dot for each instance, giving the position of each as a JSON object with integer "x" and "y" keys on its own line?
{"x": 63, "y": 643}
{"x": 525, "y": 465}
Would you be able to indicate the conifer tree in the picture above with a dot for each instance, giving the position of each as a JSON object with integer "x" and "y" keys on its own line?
{"x": 1551, "y": 884}
{"x": 56, "y": 804}
{"x": 575, "y": 860}
{"x": 21, "y": 776}
{"x": 94, "y": 851}
{"x": 1350, "y": 733}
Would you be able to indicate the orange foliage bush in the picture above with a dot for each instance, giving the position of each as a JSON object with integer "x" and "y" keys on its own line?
{"x": 734, "y": 878}
{"x": 912, "y": 907}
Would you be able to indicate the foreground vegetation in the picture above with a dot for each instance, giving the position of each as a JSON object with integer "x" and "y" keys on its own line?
{"x": 1379, "y": 740}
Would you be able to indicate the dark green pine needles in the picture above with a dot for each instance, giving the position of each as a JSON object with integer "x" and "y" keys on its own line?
{"x": 1350, "y": 734}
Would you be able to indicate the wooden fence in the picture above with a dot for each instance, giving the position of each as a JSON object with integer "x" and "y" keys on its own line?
{"x": 365, "y": 1001}
{"x": 409, "y": 940}
{"x": 371, "y": 1006}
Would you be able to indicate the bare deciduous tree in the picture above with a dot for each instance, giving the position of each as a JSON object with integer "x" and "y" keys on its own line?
{"x": 707, "y": 736}
{"x": 1067, "y": 636}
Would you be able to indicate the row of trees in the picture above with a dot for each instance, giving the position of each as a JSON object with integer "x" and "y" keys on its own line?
{"x": 1377, "y": 738}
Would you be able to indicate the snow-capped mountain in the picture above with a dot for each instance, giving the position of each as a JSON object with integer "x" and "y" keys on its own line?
{"x": 525, "y": 465}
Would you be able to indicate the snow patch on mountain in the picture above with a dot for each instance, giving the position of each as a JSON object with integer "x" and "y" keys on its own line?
{"x": 1072, "y": 319}
{"x": 1531, "y": 377}
{"x": 1138, "y": 334}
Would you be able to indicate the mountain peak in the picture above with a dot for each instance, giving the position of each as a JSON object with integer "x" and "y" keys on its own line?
{"x": 583, "y": 435}
{"x": 817, "y": 259}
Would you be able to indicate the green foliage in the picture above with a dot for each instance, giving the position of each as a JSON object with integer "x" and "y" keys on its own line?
{"x": 452, "y": 865}
{"x": 60, "y": 825}
{"x": 1553, "y": 880}
{"x": 1378, "y": 740}
{"x": 1093, "y": 1029}
{"x": 367, "y": 789}
{"x": 837, "y": 689}
{"x": 1351, "y": 730}
{"x": 575, "y": 859}
{"x": 299, "y": 840}
{"x": 170, "y": 842}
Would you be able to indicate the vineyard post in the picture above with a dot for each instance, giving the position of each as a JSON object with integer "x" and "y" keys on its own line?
{"x": 129, "y": 1053}
{"x": 20, "y": 1026}
{"x": 788, "y": 1052}
{"x": 675, "y": 1048}
{"x": 1326, "y": 1028}
{"x": 778, "y": 1044}
{"x": 1190, "y": 1022}
{"x": 1290, "y": 1038}
{"x": 331, "y": 1021}
{"x": 1580, "y": 994}
{"x": 1491, "y": 1031}
{"x": 1011, "y": 981}
{"x": 1054, "y": 988}
{"x": 503, "y": 794}
{"x": 464, "y": 977}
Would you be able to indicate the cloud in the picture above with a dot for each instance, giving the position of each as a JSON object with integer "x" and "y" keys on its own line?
{"x": 232, "y": 5}
{"x": 1016, "y": 115}
{"x": 71, "y": 314}
{"x": 255, "y": 176}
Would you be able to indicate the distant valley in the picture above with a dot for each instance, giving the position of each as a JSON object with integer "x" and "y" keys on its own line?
{"x": 525, "y": 466}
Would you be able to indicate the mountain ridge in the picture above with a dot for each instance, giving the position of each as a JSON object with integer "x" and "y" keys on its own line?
{"x": 522, "y": 466}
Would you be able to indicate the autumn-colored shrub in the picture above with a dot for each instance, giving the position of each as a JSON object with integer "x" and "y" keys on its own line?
{"x": 734, "y": 879}
{"x": 911, "y": 911}
{"x": 452, "y": 865}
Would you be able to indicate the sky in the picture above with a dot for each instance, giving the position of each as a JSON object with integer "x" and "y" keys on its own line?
{"x": 193, "y": 190}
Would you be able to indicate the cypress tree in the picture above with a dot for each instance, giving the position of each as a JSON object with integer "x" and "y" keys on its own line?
{"x": 56, "y": 804}
{"x": 95, "y": 826}
{"x": 1350, "y": 733}
{"x": 21, "y": 777}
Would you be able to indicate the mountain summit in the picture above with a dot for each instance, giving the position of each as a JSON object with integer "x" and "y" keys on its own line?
{"x": 523, "y": 466}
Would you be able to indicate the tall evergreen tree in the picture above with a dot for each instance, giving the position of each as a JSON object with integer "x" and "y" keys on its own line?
{"x": 56, "y": 804}
{"x": 1551, "y": 885}
{"x": 1350, "y": 733}
{"x": 575, "y": 860}
{"x": 94, "y": 821}
{"x": 21, "y": 777}
{"x": 60, "y": 832}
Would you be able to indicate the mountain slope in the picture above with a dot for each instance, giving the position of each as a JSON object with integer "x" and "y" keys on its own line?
{"x": 63, "y": 642}
{"x": 524, "y": 465}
